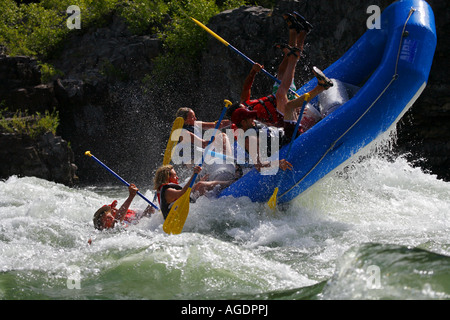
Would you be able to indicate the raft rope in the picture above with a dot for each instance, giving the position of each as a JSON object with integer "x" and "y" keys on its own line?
{"x": 394, "y": 77}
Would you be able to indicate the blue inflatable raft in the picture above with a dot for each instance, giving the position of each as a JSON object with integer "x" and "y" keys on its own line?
{"x": 390, "y": 67}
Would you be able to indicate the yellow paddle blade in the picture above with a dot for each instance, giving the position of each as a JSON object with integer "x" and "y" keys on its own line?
{"x": 215, "y": 35}
{"x": 272, "y": 203}
{"x": 178, "y": 213}
{"x": 173, "y": 139}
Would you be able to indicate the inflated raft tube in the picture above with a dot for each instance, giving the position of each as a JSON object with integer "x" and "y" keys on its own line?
{"x": 391, "y": 66}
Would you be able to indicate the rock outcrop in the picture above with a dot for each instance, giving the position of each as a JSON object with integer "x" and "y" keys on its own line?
{"x": 109, "y": 104}
{"x": 21, "y": 87}
{"x": 48, "y": 157}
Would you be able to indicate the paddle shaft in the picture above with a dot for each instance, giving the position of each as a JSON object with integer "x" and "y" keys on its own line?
{"x": 297, "y": 125}
{"x": 224, "y": 109}
{"x": 217, "y": 155}
{"x": 239, "y": 52}
{"x": 273, "y": 199}
{"x": 253, "y": 62}
{"x": 120, "y": 178}
{"x": 180, "y": 209}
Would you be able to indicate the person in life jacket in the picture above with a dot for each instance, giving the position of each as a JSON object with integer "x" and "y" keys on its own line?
{"x": 193, "y": 135}
{"x": 194, "y": 130}
{"x": 168, "y": 190}
{"x": 108, "y": 215}
{"x": 245, "y": 119}
{"x": 271, "y": 109}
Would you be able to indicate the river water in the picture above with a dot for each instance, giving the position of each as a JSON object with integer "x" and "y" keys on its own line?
{"x": 377, "y": 230}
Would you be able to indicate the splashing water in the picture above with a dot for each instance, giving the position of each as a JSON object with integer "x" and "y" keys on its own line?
{"x": 379, "y": 229}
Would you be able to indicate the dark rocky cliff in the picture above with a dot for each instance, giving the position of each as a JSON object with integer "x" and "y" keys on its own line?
{"x": 47, "y": 156}
{"x": 109, "y": 104}
{"x": 423, "y": 134}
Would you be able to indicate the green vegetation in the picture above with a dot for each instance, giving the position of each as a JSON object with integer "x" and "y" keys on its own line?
{"x": 36, "y": 29}
{"x": 34, "y": 126}
{"x": 39, "y": 29}
{"x": 49, "y": 73}
{"x": 183, "y": 40}
{"x": 28, "y": 29}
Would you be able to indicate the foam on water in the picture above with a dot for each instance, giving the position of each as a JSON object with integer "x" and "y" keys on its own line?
{"x": 230, "y": 248}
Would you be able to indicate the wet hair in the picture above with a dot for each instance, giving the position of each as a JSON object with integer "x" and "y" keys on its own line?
{"x": 162, "y": 176}
{"x": 98, "y": 217}
{"x": 183, "y": 112}
{"x": 231, "y": 109}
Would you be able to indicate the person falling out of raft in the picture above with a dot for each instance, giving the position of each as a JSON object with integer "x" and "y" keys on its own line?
{"x": 271, "y": 109}
{"x": 168, "y": 190}
{"x": 108, "y": 215}
{"x": 192, "y": 135}
{"x": 244, "y": 118}
{"x": 194, "y": 129}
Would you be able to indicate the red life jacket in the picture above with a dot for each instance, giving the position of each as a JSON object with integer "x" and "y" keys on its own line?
{"x": 129, "y": 213}
{"x": 266, "y": 107}
{"x": 130, "y": 216}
